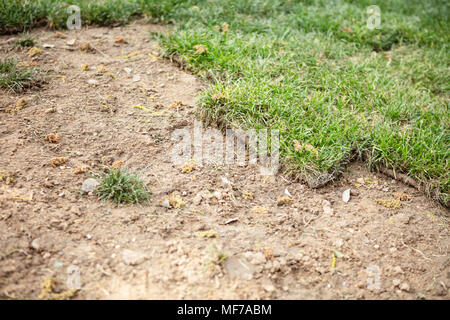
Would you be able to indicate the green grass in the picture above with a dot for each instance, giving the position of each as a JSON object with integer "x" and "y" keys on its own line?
{"x": 311, "y": 69}
{"x": 15, "y": 78}
{"x": 122, "y": 186}
{"x": 376, "y": 95}
{"x": 21, "y": 15}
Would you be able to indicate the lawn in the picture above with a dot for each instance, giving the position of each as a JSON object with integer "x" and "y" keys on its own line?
{"x": 311, "y": 69}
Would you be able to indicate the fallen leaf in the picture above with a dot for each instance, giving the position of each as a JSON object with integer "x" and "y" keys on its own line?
{"x": 101, "y": 68}
{"x": 27, "y": 64}
{"x": 402, "y": 196}
{"x": 60, "y": 35}
{"x": 284, "y": 200}
{"x": 268, "y": 253}
{"x": 58, "y": 161}
{"x": 21, "y": 103}
{"x": 247, "y": 195}
{"x": 260, "y": 210}
{"x": 217, "y": 96}
{"x": 300, "y": 147}
{"x": 347, "y": 29}
{"x": 85, "y": 47}
{"x": 119, "y": 39}
{"x": 225, "y": 27}
{"x": 7, "y": 176}
{"x": 117, "y": 164}
{"x": 34, "y": 51}
{"x": 389, "y": 203}
{"x": 199, "y": 49}
{"x": 188, "y": 167}
{"x": 176, "y": 201}
{"x": 131, "y": 55}
{"x": 207, "y": 234}
{"x": 85, "y": 67}
{"x": 79, "y": 170}
{"x": 52, "y": 138}
{"x": 175, "y": 104}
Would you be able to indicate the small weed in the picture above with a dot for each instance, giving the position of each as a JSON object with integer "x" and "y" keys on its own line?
{"x": 122, "y": 186}
{"x": 15, "y": 78}
{"x": 25, "y": 42}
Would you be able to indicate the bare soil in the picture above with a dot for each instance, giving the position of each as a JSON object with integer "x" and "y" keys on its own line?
{"x": 302, "y": 249}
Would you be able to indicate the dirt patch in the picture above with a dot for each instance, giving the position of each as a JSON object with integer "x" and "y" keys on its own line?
{"x": 116, "y": 101}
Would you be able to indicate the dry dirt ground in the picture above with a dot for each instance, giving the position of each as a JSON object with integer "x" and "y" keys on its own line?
{"x": 298, "y": 250}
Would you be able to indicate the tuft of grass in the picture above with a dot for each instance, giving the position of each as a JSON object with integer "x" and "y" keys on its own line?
{"x": 25, "y": 42}
{"x": 15, "y": 78}
{"x": 121, "y": 186}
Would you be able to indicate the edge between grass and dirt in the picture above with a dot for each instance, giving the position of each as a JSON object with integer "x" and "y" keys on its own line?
{"x": 336, "y": 90}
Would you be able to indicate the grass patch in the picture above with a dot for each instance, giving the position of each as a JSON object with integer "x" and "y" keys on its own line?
{"x": 25, "y": 42}
{"x": 22, "y": 15}
{"x": 122, "y": 186}
{"x": 17, "y": 79}
{"x": 314, "y": 71}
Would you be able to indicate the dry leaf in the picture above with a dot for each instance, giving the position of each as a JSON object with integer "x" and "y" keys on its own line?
{"x": 53, "y": 138}
{"x": 60, "y": 35}
{"x": 176, "y": 201}
{"x": 21, "y": 103}
{"x": 217, "y": 96}
{"x": 247, "y": 195}
{"x": 347, "y": 29}
{"x": 101, "y": 68}
{"x": 207, "y": 234}
{"x": 225, "y": 27}
{"x": 85, "y": 67}
{"x": 58, "y": 161}
{"x": 199, "y": 49}
{"x": 27, "y": 64}
{"x": 389, "y": 203}
{"x": 34, "y": 51}
{"x": 260, "y": 210}
{"x": 300, "y": 147}
{"x": 402, "y": 196}
{"x": 188, "y": 167}
{"x": 284, "y": 200}
{"x": 268, "y": 253}
{"x": 79, "y": 170}
{"x": 117, "y": 164}
{"x": 7, "y": 176}
{"x": 119, "y": 39}
{"x": 85, "y": 47}
{"x": 175, "y": 104}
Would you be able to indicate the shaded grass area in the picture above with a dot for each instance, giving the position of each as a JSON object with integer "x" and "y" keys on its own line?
{"x": 15, "y": 78}
{"x": 311, "y": 69}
